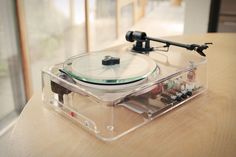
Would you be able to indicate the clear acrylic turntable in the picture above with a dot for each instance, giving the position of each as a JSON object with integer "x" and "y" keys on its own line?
{"x": 112, "y": 92}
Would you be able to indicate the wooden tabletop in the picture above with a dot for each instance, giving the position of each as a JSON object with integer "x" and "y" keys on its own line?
{"x": 204, "y": 126}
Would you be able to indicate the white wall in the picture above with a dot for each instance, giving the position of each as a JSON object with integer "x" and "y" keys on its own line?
{"x": 196, "y": 16}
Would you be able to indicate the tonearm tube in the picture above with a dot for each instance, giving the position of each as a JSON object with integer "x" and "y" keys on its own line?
{"x": 141, "y": 37}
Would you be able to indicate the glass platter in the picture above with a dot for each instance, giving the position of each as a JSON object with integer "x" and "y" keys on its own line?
{"x": 89, "y": 68}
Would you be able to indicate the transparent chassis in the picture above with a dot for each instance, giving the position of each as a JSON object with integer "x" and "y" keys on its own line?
{"x": 110, "y": 114}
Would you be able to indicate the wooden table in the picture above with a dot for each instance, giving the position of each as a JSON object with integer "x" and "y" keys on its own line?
{"x": 205, "y": 126}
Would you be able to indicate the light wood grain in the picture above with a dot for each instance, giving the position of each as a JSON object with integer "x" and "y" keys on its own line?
{"x": 204, "y": 126}
{"x": 24, "y": 53}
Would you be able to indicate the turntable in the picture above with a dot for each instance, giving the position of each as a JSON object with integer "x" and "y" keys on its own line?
{"x": 112, "y": 92}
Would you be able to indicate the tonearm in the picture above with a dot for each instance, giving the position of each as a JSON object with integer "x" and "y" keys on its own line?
{"x": 141, "y": 37}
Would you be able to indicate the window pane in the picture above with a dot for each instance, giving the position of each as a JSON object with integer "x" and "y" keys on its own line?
{"x": 102, "y": 22}
{"x": 55, "y": 31}
{"x": 11, "y": 76}
{"x": 6, "y": 95}
{"x": 127, "y": 20}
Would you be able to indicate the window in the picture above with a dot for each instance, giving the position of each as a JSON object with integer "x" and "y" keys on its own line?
{"x": 11, "y": 76}
{"x": 102, "y": 23}
{"x": 55, "y": 30}
{"x": 127, "y": 17}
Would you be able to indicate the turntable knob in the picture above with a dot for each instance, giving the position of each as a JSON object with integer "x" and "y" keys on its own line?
{"x": 109, "y": 60}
